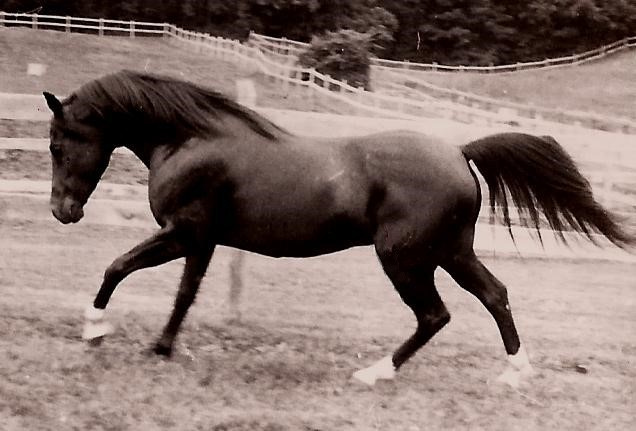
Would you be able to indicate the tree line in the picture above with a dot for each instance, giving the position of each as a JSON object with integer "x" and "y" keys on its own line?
{"x": 469, "y": 32}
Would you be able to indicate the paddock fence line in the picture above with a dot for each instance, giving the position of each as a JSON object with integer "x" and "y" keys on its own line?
{"x": 104, "y": 27}
{"x": 293, "y": 77}
{"x": 443, "y": 99}
{"x": 289, "y": 48}
{"x": 288, "y": 74}
{"x": 461, "y": 107}
{"x": 419, "y": 88}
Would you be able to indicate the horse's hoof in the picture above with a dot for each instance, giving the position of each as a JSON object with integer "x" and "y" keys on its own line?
{"x": 162, "y": 350}
{"x": 94, "y": 331}
{"x": 381, "y": 370}
{"x": 95, "y": 342}
{"x": 515, "y": 377}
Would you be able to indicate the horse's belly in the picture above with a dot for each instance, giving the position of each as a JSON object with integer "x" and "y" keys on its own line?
{"x": 301, "y": 234}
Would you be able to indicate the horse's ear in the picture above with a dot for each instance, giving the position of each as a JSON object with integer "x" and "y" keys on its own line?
{"x": 54, "y": 104}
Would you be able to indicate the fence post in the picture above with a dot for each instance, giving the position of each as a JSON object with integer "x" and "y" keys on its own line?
{"x": 284, "y": 74}
{"x": 311, "y": 89}
{"x": 361, "y": 96}
{"x": 132, "y": 29}
{"x": 325, "y": 82}
{"x": 166, "y": 30}
{"x": 101, "y": 27}
{"x": 67, "y": 24}
{"x": 1, "y": 19}
{"x": 34, "y": 21}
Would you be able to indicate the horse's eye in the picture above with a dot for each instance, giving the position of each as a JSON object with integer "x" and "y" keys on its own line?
{"x": 56, "y": 150}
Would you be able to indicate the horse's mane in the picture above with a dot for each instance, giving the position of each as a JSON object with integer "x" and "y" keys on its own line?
{"x": 163, "y": 100}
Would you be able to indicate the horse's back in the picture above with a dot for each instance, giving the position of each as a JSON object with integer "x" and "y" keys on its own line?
{"x": 412, "y": 160}
{"x": 428, "y": 188}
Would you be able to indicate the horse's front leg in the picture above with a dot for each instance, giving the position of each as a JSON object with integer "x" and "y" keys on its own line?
{"x": 162, "y": 247}
{"x": 195, "y": 267}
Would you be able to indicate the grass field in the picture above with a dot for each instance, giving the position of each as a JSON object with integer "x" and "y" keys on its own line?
{"x": 73, "y": 59}
{"x": 607, "y": 87}
{"x": 307, "y": 324}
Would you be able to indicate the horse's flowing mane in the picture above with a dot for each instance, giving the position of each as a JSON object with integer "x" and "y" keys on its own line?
{"x": 163, "y": 100}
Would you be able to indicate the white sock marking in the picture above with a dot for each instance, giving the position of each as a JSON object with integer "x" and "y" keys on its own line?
{"x": 520, "y": 359}
{"x": 94, "y": 330}
{"x": 95, "y": 325}
{"x": 94, "y": 314}
{"x": 383, "y": 369}
{"x": 518, "y": 368}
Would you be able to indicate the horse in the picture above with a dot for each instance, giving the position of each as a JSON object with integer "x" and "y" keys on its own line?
{"x": 221, "y": 174}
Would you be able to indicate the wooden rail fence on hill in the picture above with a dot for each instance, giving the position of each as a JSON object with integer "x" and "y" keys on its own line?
{"x": 286, "y": 47}
{"x": 286, "y": 52}
{"x": 289, "y": 74}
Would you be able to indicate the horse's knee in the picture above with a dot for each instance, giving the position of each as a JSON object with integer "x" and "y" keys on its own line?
{"x": 114, "y": 272}
{"x": 434, "y": 319}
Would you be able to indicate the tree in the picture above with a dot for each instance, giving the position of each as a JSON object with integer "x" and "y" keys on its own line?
{"x": 343, "y": 54}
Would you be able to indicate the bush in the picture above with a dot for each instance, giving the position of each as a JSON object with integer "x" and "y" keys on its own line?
{"x": 343, "y": 54}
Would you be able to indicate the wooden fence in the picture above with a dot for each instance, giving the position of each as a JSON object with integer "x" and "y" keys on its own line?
{"x": 271, "y": 57}
{"x": 286, "y": 47}
{"x": 291, "y": 76}
{"x": 463, "y": 106}
{"x": 68, "y": 23}
{"x": 417, "y": 87}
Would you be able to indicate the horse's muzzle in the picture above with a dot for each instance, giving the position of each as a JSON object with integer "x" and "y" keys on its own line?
{"x": 67, "y": 211}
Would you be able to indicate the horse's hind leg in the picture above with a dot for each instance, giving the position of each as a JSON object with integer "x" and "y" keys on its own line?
{"x": 417, "y": 289}
{"x": 472, "y": 275}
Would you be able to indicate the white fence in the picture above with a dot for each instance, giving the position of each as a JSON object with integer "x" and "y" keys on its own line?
{"x": 286, "y": 47}
{"x": 374, "y": 103}
{"x": 280, "y": 66}
{"x": 452, "y": 103}
{"x": 68, "y": 23}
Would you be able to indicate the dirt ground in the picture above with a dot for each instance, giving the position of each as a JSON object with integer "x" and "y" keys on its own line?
{"x": 307, "y": 325}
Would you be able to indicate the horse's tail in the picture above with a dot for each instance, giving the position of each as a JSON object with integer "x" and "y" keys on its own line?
{"x": 541, "y": 177}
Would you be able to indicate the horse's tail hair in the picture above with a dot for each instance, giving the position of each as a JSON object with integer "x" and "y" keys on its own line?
{"x": 541, "y": 177}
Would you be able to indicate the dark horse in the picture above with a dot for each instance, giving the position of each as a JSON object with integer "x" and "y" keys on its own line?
{"x": 220, "y": 174}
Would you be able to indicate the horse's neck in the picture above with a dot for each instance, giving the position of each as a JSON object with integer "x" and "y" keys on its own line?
{"x": 149, "y": 150}
{"x": 143, "y": 152}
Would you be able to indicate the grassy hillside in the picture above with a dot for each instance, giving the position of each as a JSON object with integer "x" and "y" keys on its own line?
{"x": 73, "y": 59}
{"x": 606, "y": 87}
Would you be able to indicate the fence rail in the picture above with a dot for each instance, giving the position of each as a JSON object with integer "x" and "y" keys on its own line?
{"x": 286, "y": 47}
{"x": 464, "y": 106}
{"x": 421, "y": 88}
{"x": 261, "y": 54}
{"x": 35, "y": 21}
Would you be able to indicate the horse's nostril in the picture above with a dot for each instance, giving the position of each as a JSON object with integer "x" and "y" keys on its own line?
{"x": 76, "y": 212}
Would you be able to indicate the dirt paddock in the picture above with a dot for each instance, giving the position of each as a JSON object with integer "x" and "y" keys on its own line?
{"x": 307, "y": 325}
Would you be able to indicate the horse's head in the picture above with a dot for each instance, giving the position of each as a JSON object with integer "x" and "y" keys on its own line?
{"x": 80, "y": 157}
